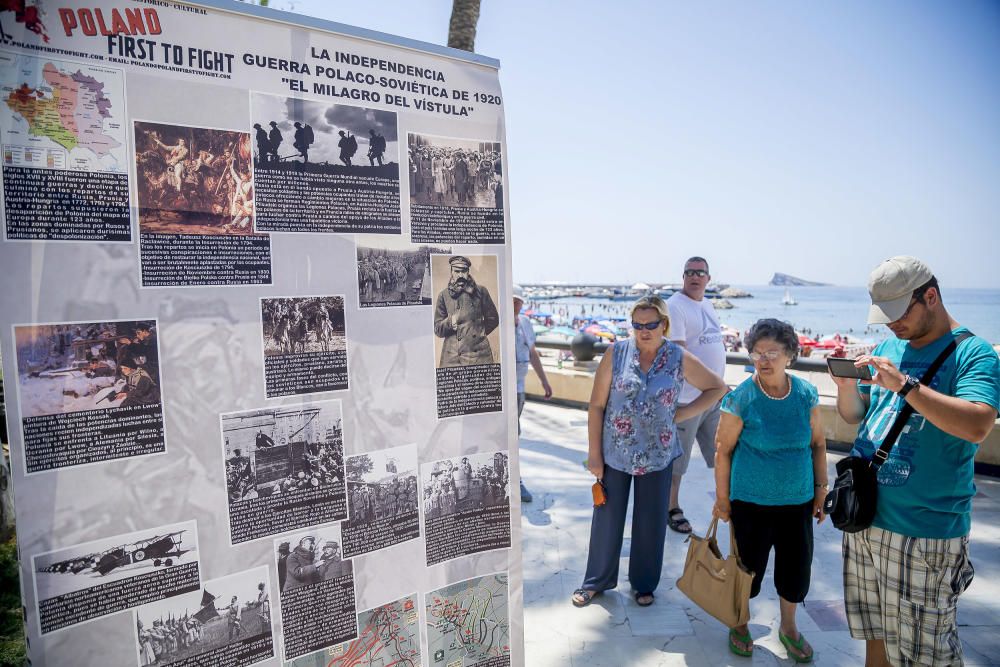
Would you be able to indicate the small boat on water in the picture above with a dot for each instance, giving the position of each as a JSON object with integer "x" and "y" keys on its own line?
{"x": 787, "y": 300}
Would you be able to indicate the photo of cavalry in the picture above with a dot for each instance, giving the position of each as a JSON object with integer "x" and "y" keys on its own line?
{"x": 298, "y": 325}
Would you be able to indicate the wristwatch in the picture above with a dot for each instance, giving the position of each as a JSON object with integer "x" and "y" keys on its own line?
{"x": 822, "y": 486}
{"x": 909, "y": 382}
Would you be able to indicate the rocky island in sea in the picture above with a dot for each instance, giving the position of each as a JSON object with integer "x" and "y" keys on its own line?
{"x": 785, "y": 280}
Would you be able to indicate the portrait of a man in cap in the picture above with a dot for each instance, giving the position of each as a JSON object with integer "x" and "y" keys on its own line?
{"x": 464, "y": 316}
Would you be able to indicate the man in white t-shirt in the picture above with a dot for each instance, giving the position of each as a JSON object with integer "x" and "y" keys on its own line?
{"x": 694, "y": 325}
{"x": 525, "y": 354}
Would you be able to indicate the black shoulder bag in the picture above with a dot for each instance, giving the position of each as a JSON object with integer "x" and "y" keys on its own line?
{"x": 852, "y": 501}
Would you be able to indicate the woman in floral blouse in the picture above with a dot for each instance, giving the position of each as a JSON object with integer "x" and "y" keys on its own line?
{"x": 633, "y": 409}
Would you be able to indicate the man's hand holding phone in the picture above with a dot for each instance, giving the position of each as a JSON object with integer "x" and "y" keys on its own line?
{"x": 848, "y": 371}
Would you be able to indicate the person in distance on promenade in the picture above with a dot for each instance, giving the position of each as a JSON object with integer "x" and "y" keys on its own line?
{"x": 633, "y": 439}
{"x": 903, "y": 574}
{"x": 695, "y": 326}
{"x": 770, "y": 476}
{"x": 525, "y": 354}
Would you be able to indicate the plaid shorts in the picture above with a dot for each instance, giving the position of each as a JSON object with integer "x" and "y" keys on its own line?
{"x": 904, "y": 590}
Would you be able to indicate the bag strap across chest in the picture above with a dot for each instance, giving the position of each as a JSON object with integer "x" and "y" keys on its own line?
{"x": 882, "y": 453}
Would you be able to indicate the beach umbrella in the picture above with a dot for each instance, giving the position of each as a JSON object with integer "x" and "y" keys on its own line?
{"x": 806, "y": 341}
{"x": 599, "y": 331}
{"x": 640, "y": 286}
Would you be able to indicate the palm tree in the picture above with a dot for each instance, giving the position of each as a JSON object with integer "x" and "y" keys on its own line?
{"x": 462, "y": 29}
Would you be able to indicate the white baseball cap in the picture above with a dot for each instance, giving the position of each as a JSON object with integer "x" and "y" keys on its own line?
{"x": 891, "y": 286}
{"x": 519, "y": 293}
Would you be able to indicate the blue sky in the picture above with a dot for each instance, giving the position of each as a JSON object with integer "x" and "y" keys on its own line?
{"x": 815, "y": 139}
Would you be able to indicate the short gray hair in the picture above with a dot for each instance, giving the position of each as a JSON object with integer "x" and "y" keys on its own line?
{"x": 696, "y": 258}
{"x": 781, "y": 332}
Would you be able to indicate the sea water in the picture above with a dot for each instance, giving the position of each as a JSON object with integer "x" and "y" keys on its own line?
{"x": 822, "y": 311}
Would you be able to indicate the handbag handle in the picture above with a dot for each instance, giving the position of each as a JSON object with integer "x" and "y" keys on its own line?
{"x": 713, "y": 528}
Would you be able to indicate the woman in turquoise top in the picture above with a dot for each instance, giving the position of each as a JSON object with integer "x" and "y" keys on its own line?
{"x": 633, "y": 408}
{"x": 771, "y": 476}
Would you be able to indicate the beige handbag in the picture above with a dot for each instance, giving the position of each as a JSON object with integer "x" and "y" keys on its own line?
{"x": 720, "y": 586}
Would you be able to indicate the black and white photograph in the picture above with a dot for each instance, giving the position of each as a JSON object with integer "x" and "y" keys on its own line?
{"x": 466, "y": 334}
{"x": 466, "y": 505}
{"x": 456, "y": 190}
{"x": 316, "y": 584}
{"x": 89, "y": 392}
{"x": 305, "y": 344}
{"x": 322, "y": 167}
{"x": 196, "y": 208}
{"x": 394, "y": 272}
{"x": 383, "y": 498}
{"x": 284, "y": 468}
{"x": 106, "y": 576}
{"x": 227, "y": 622}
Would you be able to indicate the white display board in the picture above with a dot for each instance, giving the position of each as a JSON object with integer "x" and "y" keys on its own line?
{"x": 257, "y": 343}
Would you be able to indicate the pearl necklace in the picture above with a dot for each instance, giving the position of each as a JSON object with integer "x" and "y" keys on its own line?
{"x": 764, "y": 391}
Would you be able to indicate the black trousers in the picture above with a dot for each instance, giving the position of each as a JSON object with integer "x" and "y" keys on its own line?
{"x": 649, "y": 530}
{"x": 787, "y": 529}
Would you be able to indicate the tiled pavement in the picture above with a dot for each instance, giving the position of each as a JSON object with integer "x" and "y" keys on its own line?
{"x": 613, "y": 630}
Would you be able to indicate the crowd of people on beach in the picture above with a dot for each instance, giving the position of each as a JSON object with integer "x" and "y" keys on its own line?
{"x": 661, "y": 390}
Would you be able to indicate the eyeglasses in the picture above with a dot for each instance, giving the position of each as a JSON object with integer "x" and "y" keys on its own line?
{"x": 648, "y": 326}
{"x": 770, "y": 355}
{"x": 701, "y": 273}
{"x": 917, "y": 298}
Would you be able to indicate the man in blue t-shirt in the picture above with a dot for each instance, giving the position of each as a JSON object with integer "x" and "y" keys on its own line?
{"x": 903, "y": 575}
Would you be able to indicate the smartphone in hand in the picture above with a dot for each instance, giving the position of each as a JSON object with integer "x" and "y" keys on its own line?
{"x": 845, "y": 368}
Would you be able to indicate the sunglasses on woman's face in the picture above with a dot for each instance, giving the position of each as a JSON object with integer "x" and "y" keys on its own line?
{"x": 648, "y": 326}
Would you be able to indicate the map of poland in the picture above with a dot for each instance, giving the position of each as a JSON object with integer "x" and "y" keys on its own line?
{"x": 59, "y": 114}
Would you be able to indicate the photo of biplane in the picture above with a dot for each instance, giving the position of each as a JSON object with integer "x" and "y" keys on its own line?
{"x": 136, "y": 554}
{"x": 159, "y": 550}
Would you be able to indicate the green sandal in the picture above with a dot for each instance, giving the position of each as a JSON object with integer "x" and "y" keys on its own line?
{"x": 799, "y": 645}
{"x": 746, "y": 639}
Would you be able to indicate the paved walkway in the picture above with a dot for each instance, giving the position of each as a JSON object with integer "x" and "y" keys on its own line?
{"x": 615, "y": 631}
